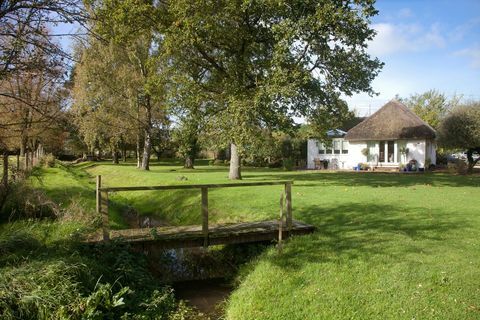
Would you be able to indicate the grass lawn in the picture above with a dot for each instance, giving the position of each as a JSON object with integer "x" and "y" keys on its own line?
{"x": 387, "y": 246}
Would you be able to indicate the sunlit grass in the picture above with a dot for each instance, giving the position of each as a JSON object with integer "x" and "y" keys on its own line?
{"x": 387, "y": 246}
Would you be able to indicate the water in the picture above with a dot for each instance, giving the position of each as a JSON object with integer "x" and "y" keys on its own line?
{"x": 207, "y": 296}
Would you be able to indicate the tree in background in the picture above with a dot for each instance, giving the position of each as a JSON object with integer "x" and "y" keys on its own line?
{"x": 461, "y": 130}
{"x": 130, "y": 78}
{"x": 431, "y": 106}
{"x": 31, "y": 105}
{"x": 24, "y": 25}
{"x": 267, "y": 61}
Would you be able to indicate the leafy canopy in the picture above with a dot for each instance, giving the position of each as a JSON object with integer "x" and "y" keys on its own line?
{"x": 264, "y": 62}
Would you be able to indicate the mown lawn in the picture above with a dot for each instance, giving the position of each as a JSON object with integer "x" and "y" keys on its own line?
{"x": 387, "y": 246}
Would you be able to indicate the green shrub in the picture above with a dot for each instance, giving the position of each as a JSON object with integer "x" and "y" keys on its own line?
{"x": 218, "y": 162}
{"x": 364, "y": 166}
{"x": 25, "y": 202}
{"x": 459, "y": 167}
{"x": 47, "y": 161}
{"x": 287, "y": 164}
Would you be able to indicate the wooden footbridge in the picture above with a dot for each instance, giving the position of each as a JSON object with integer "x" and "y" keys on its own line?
{"x": 205, "y": 234}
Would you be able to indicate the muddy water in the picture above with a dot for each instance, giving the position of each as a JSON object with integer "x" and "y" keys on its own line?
{"x": 207, "y": 296}
{"x": 200, "y": 277}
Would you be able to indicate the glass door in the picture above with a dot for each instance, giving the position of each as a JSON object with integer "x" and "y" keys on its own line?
{"x": 391, "y": 151}
{"x": 381, "y": 153}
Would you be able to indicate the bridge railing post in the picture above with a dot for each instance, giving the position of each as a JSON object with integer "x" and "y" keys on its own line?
{"x": 288, "y": 204}
{"x": 102, "y": 208}
{"x": 205, "y": 216}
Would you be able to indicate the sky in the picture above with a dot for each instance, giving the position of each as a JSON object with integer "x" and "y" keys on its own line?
{"x": 425, "y": 44}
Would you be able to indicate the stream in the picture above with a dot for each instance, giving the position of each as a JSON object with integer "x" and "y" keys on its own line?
{"x": 201, "y": 277}
{"x": 207, "y": 296}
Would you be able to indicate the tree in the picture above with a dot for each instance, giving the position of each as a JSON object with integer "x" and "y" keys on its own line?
{"x": 24, "y": 24}
{"x": 264, "y": 62}
{"x": 127, "y": 26}
{"x": 31, "y": 104}
{"x": 431, "y": 106}
{"x": 461, "y": 130}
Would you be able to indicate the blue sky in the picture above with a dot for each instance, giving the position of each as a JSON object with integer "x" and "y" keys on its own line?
{"x": 424, "y": 45}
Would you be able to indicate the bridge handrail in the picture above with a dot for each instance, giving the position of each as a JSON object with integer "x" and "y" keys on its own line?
{"x": 102, "y": 199}
{"x": 196, "y": 186}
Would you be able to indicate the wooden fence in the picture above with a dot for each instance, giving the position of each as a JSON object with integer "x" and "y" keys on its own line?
{"x": 102, "y": 200}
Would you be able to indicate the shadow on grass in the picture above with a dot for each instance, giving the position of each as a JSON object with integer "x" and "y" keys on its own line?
{"x": 171, "y": 207}
{"x": 364, "y": 232}
{"x": 373, "y": 179}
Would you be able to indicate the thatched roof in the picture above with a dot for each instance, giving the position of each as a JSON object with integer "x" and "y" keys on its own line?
{"x": 393, "y": 121}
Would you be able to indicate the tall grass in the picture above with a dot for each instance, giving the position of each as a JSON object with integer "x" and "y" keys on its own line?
{"x": 46, "y": 273}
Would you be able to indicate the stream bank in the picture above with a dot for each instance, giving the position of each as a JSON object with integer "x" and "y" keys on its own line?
{"x": 203, "y": 278}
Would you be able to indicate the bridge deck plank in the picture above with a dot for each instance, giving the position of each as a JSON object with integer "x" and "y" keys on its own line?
{"x": 190, "y": 236}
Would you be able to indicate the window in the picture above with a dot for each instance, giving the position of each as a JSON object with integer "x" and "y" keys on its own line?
{"x": 321, "y": 148}
{"x": 336, "y": 146}
{"x": 344, "y": 147}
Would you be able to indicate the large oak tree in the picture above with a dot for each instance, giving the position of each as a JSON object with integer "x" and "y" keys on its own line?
{"x": 265, "y": 62}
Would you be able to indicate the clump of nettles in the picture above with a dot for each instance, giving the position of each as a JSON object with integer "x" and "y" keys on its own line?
{"x": 71, "y": 281}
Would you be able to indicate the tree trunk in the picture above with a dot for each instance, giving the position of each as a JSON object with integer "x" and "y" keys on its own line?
{"x": 26, "y": 160}
{"x": 137, "y": 152}
{"x": 147, "y": 150}
{"x": 23, "y": 145}
{"x": 188, "y": 162}
{"x": 4, "y": 182}
{"x": 235, "y": 173}
{"x": 472, "y": 162}
{"x": 147, "y": 147}
{"x": 115, "y": 156}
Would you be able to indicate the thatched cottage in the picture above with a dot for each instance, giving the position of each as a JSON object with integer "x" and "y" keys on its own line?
{"x": 390, "y": 137}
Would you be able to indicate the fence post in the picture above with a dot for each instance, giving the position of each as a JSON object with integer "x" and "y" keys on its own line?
{"x": 102, "y": 208}
{"x": 105, "y": 218}
{"x": 280, "y": 225}
{"x": 205, "y": 216}
{"x": 97, "y": 193}
{"x": 288, "y": 204}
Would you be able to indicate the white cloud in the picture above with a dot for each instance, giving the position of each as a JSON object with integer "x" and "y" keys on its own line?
{"x": 393, "y": 38}
{"x": 473, "y": 53}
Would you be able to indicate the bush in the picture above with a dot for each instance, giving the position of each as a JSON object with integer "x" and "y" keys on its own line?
{"x": 459, "y": 167}
{"x": 25, "y": 202}
{"x": 288, "y": 164}
{"x": 47, "y": 161}
{"x": 218, "y": 162}
{"x": 364, "y": 166}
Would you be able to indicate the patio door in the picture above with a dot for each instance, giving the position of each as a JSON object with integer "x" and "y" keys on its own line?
{"x": 386, "y": 152}
{"x": 381, "y": 152}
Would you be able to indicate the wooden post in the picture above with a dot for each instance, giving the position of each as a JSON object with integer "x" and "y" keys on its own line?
{"x": 205, "y": 216}
{"x": 280, "y": 225}
{"x": 288, "y": 204}
{"x": 102, "y": 208}
{"x": 105, "y": 220}
{"x": 97, "y": 193}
